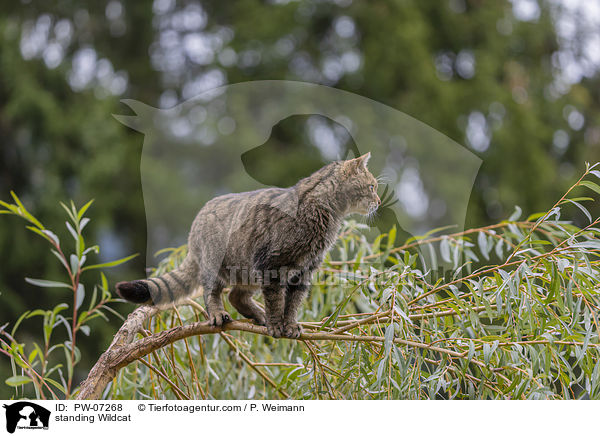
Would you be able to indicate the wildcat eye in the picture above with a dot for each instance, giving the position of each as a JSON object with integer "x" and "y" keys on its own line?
{"x": 372, "y": 188}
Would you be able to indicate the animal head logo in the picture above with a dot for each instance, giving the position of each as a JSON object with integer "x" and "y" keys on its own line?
{"x": 24, "y": 414}
{"x": 217, "y": 143}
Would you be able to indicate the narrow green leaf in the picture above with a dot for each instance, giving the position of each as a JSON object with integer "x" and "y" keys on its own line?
{"x": 516, "y": 214}
{"x": 39, "y": 232}
{"x": 83, "y": 223}
{"x": 84, "y": 208}
{"x": 104, "y": 281}
{"x": 17, "y": 380}
{"x": 578, "y": 199}
{"x": 110, "y": 264}
{"x": 74, "y": 261}
{"x": 32, "y": 355}
{"x": 593, "y": 186}
{"x": 25, "y": 212}
{"x": 19, "y": 321}
{"x": 72, "y": 231}
{"x": 80, "y": 296}
{"x": 535, "y": 216}
{"x": 56, "y": 384}
{"x": 52, "y": 236}
{"x": 445, "y": 250}
{"x": 61, "y": 259}
{"x": 69, "y": 213}
{"x": 483, "y": 245}
{"x": 583, "y": 209}
{"x": 46, "y": 283}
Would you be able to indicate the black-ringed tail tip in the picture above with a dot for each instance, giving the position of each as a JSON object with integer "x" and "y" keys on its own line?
{"x": 136, "y": 291}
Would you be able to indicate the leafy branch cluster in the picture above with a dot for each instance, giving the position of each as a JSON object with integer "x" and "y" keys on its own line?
{"x": 39, "y": 363}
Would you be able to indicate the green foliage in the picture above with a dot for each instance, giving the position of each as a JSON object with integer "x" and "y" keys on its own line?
{"x": 44, "y": 367}
{"x": 517, "y": 318}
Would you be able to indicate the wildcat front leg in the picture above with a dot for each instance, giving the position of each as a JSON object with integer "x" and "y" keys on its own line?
{"x": 293, "y": 299}
{"x": 274, "y": 308}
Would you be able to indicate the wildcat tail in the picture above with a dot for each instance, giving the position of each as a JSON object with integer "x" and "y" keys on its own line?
{"x": 165, "y": 290}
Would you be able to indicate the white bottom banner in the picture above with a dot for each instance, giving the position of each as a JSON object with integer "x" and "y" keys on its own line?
{"x": 295, "y": 417}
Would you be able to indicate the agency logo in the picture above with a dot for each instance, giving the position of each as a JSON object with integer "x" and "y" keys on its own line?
{"x": 26, "y": 415}
{"x": 229, "y": 139}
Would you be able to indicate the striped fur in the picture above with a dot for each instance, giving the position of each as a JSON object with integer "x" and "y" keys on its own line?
{"x": 270, "y": 239}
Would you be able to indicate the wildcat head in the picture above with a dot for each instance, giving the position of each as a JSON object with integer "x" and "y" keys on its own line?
{"x": 359, "y": 186}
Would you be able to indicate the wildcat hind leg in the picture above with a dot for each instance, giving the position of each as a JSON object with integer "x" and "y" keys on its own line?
{"x": 241, "y": 299}
{"x": 217, "y": 315}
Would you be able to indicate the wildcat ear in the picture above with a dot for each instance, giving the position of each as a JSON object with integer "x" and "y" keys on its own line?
{"x": 354, "y": 164}
{"x": 364, "y": 159}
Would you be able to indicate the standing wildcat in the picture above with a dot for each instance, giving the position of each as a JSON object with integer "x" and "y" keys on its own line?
{"x": 270, "y": 239}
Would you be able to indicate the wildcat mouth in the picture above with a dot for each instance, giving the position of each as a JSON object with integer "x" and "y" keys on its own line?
{"x": 372, "y": 209}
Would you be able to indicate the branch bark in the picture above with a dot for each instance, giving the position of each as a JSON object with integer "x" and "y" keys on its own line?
{"x": 108, "y": 365}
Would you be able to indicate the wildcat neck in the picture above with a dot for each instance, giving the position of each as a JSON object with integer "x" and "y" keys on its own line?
{"x": 320, "y": 209}
{"x": 322, "y": 203}
{"x": 321, "y": 219}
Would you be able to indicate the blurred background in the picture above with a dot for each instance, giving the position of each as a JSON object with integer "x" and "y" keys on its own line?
{"x": 515, "y": 82}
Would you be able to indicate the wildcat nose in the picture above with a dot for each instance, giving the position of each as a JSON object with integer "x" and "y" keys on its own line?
{"x": 378, "y": 201}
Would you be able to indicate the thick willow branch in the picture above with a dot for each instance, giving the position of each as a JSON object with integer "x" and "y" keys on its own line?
{"x": 107, "y": 366}
{"x": 124, "y": 350}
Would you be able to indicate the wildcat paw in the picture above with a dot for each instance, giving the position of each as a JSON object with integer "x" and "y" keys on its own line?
{"x": 259, "y": 319}
{"x": 275, "y": 330}
{"x": 292, "y": 331}
{"x": 219, "y": 318}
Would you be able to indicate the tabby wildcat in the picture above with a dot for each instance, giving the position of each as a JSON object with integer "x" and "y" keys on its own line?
{"x": 270, "y": 239}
